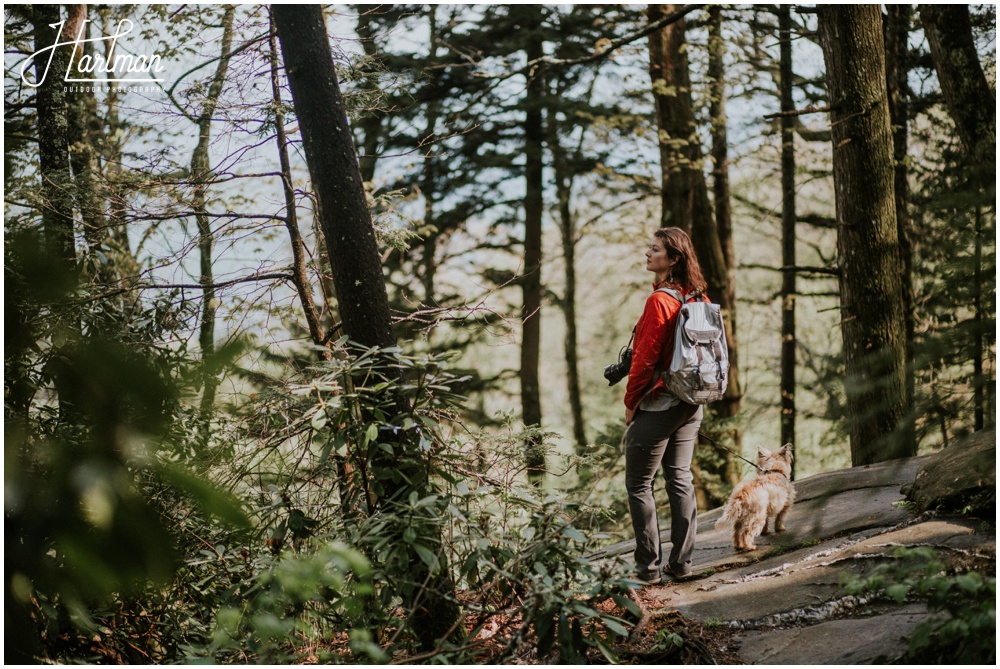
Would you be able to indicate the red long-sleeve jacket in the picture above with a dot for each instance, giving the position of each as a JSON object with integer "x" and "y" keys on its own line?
{"x": 654, "y": 341}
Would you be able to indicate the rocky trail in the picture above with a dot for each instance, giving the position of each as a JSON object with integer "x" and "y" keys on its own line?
{"x": 785, "y": 604}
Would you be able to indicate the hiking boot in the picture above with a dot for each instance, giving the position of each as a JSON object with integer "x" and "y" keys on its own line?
{"x": 653, "y": 578}
{"x": 678, "y": 574}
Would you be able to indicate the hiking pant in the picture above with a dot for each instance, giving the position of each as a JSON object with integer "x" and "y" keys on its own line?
{"x": 653, "y": 439}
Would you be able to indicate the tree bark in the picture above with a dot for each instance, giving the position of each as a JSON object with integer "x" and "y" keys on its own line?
{"x": 568, "y": 235}
{"x": 201, "y": 178}
{"x": 82, "y": 112}
{"x": 867, "y": 246}
{"x": 684, "y": 193}
{"x": 979, "y": 381}
{"x": 53, "y": 145}
{"x": 111, "y": 154}
{"x": 300, "y": 279}
{"x": 971, "y": 103}
{"x": 353, "y": 250}
{"x": 370, "y": 122}
{"x": 788, "y": 275}
{"x": 531, "y": 277}
{"x": 429, "y": 177}
{"x": 897, "y": 70}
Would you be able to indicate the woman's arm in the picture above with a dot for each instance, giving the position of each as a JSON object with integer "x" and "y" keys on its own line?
{"x": 650, "y": 337}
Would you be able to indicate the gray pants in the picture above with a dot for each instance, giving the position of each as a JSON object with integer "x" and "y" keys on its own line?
{"x": 667, "y": 438}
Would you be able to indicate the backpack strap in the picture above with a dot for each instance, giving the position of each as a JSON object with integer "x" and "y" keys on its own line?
{"x": 677, "y": 295}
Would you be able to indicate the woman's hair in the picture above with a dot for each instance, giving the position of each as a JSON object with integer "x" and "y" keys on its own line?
{"x": 687, "y": 271}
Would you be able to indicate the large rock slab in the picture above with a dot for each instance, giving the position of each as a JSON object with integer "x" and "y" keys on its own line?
{"x": 874, "y": 640}
{"x": 826, "y": 505}
{"x": 959, "y": 475}
{"x": 803, "y": 586}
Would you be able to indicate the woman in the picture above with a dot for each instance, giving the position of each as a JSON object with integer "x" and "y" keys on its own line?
{"x": 662, "y": 430}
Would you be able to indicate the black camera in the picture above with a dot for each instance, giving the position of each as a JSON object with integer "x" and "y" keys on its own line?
{"x": 619, "y": 370}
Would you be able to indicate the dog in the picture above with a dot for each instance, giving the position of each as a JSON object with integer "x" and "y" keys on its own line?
{"x": 755, "y": 501}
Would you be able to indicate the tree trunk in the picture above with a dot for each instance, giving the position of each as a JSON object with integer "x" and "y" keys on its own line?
{"x": 567, "y": 229}
{"x": 82, "y": 112}
{"x": 897, "y": 70}
{"x": 370, "y": 122}
{"x": 299, "y": 276}
{"x": 111, "y": 154}
{"x": 970, "y": 101}
{"x": 788, "y": 275}
{"x": 684, "y": 193}
{"x": 357, "y": 271}
{"x": 729, "y": 406}
{"x": 979, "y": 381}
{"x": 867, "y": 246}
{"x": 201, "y": 178}
{"x": 531, "y": 278}
{"x": 429, "y": 177}
{"x": 53, "y": 146}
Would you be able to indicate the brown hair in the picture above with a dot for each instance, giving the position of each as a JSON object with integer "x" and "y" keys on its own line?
{"x": 687, "y": 271}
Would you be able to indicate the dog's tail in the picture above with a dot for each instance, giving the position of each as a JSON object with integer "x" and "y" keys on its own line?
{"x": 726, "y": 519}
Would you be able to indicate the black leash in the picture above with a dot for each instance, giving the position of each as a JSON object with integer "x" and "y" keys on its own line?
{"x": 752, "y": 464}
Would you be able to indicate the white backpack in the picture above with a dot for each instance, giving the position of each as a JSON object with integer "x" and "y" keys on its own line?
{"x": 699, "y": 369}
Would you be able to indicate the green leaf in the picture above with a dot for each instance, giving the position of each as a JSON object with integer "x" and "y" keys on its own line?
{"x": 616, "y": 627}
{"x": 605, "y": 651}
{"x": 628, "y": 604}
{"x": 319, "y": 420}
{"x": 428, "y": 557}
{"x": 897, "y": 591}
{"x": 210, "y": 498}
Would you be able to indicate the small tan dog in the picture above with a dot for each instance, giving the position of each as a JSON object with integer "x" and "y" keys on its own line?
{"x": 756, "y": 500}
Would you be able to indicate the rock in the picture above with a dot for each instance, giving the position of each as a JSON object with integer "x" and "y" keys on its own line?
{"x": 874, "y": 640}
{"x": 960, "y": 478}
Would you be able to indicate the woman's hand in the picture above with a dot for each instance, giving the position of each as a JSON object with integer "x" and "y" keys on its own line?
{"x": 629, "y": 416}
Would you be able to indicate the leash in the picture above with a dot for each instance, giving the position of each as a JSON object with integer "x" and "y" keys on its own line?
{"x": 752, "y": 464}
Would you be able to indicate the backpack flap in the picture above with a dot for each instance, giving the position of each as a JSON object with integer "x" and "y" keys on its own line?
{"x": 699, "y": 368}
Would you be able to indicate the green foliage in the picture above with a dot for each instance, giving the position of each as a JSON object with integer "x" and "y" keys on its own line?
{"x": 297, "y": 600}
{"x": 962, "y": 628}
{"x": 425, "y": 509}
{"x": 90, "y": 408}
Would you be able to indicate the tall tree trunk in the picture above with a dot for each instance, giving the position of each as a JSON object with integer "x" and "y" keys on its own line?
{"x": 111, "y": 154}
{"x": 867, "y": 246}
{"x": 979, "y": 381}
{"x": 299, "y": 276}
{"x": 82, "y": 112}
{"x": 357, "y": 270}
{"x": 729, "y": 406}
{"x": 970, "y": 101}
{"x": 370, "y": 122}
{"x": 897, "y": 70}
{"x": 567, "y": 229}
{"x": 429, "y": 177}
{"x": 53, "y": 146}
{"x": 788, "y": 287}
{"x": 685, "y": 205}
{"x": 201, "y": 178}
{"x": 684, "y": 193}
{"x": 531, "y": 278}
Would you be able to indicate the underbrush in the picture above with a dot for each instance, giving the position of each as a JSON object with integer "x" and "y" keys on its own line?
{"x": 962, "y": 625}
{"x": 382, "y": 529}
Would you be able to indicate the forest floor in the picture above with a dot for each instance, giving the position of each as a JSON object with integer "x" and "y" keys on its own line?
{"x": 785, "y": 602}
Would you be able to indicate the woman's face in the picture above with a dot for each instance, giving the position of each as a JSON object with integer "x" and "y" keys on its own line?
{"x": 657, "y": 260}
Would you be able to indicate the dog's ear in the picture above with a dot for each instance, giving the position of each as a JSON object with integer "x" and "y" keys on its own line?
{"x": 763, "y": 453}
{"x": 786, "y": 451}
